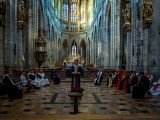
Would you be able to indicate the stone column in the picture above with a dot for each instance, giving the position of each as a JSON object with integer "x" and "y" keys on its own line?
{"x": 2, "y": 35}
{"x": 19, "y": 48}
{"x": 9, "y": 45}
{"x": 79, "y": 14}
{"x": 111, "y": 38}
{"x": 28, "y": 37}
{"x": 128, "y": 54}
{"x": 118, "y": 35}
{"x": 145, "y": 49}
{"x": 36, "y": 24}
{"x": 114, "y": 32}
{"x": 1, "y": 49}
{"x": 69, "y": 15}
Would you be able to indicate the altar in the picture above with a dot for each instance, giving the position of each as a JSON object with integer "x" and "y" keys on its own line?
{"x": 71, "y": 58}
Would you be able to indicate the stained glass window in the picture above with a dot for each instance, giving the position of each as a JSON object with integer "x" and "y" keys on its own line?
{"x": 83, "y": 9}
{"x": 74, "y": 49}
{"x": 65, "y": 10}
{"x": 90, "y": 12}
{"x": 74, "y": 9}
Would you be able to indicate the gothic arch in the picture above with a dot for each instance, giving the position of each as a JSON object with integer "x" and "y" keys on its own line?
{"x": 95, "y": 46}
{"x": 74, "y": 43}
{"x": 89, "y": 51}
{"x": 65, "y": 49}
{"x": 52, "y": 29}
{"x": 60, "y": 54}
{"x": 83, "y": 51}
{"x": 108, "y": 8}
{"x": 59, "y": 42}
{"x": 108, "y": 31}
{"x": 99, "y": 42}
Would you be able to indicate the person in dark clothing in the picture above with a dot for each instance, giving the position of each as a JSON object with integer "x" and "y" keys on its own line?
{"x": 14, "y": 90}
{"x": 76, "y": 68}
{"x": 55, "y": 77}
{"x": 133, "y": 80}
{"x": 99, "y": 77}
{"x": 141, "y": 88}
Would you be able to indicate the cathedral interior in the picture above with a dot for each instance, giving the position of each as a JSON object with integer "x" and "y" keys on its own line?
{"x": 108, "y": 34}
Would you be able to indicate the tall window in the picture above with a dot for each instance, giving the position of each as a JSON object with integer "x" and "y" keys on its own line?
{"x": 65, "y": 10}
{"x": 90, "y": 12}
{"x": 74, "y": 10}
{"x": 74, "y": 50}
{"x": 83, "y": 9}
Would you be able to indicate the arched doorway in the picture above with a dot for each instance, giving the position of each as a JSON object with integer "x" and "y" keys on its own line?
{"x": 83, "y": 52}
{"x": 73, "y": 52}
{"x": 65, "y": 51}
{"x": 60, "y": 54}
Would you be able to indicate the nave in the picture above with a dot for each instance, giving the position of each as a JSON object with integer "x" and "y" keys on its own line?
{"x": 97, "y": 102}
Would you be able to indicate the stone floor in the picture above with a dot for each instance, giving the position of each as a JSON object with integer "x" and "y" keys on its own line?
{"x": 96, "y": 100}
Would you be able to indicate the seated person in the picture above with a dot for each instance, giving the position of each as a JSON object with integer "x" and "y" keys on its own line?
{"x": 155, "y": 90}
{"x": 124, "y": 84}
{"x": 36, "y": 71}
{"x": 133, "y": 80}
{"x": 111, "y": 78}
{"x": 23, "y": 79}
{"x": 42, "y": 78}
{"x": 3, "y": 90}
{"x": 14, "y": 90}
{"x": 117, "y": 80}
{"x": 99, "y": 77}
{"x": 54, "y": 77}
{"x": 141, "y": 88}
{"x": 24, "y": 82}
{"x": 33, "y": 80}
{"x": 149, "y": 76}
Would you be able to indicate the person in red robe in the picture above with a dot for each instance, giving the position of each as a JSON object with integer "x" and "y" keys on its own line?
{"x": 36, "y": 72}
{"x": 118, "y": 80}
{"x": 124, "y": 84}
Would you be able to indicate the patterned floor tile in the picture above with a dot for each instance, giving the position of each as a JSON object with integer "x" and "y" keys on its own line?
{"x": 100, "y": 100}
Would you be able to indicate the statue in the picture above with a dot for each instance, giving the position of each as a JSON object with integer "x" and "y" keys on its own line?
{"x": 21, "y": 14}
{"x": 21, "y": 11}
{"x": 2, "y": 13}
{"x": 147, "y": 10}
{"x": 127, "y": 14}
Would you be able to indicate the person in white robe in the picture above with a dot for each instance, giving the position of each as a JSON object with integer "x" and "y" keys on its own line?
{"x": 155, "y": 89}
{"x": 33, "y": 80}
{"x": 23, "y": 79}
{"x": 42, "y": 77}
